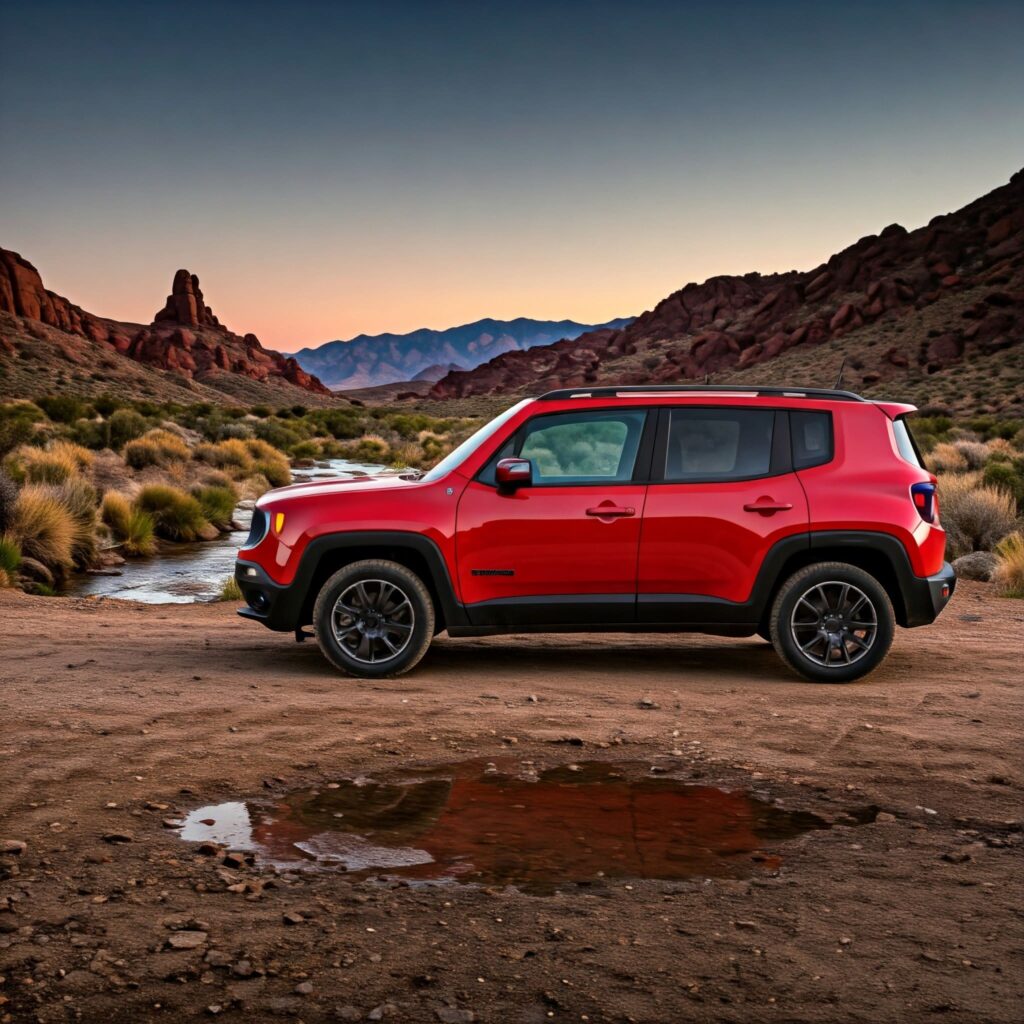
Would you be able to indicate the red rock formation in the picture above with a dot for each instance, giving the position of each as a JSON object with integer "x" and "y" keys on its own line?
{"x": 185, "y": 336}
{"x": 738, "y": 322}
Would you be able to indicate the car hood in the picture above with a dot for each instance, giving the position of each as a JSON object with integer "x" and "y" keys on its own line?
{"x": 326, "y": 488}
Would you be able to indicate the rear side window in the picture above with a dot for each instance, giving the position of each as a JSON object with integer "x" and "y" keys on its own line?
{"x": 718, "y": 444}
{"x": 905, "y": 442}
{"x": 811, "y": 435}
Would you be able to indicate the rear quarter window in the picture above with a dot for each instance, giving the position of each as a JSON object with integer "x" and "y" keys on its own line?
{"x": 811, "y": 436}
{"x": 906, "y": 444}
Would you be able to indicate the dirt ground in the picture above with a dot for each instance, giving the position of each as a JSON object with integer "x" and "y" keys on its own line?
{"x": 115, "y": 717}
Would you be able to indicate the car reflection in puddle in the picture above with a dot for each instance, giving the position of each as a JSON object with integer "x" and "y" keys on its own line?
{"x": 476, "y": 822}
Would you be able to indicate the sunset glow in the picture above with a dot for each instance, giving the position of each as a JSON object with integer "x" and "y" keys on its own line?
{"x": 323, "y": 178}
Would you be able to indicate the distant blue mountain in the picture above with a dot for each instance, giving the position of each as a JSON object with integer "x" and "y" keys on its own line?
{"x": 369, "y": 360}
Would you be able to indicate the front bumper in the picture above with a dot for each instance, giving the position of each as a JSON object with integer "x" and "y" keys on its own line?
{"x": 925, "y": 597}
{"x": 277, "y": 607}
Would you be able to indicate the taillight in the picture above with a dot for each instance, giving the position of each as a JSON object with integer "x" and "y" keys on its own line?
{"x": 926, "y": 501}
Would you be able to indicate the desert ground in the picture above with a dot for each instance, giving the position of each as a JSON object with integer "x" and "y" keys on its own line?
{"x": 116, "y": 718}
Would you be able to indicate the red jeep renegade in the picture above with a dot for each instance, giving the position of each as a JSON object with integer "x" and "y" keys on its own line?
{"x": 804, "y": 516}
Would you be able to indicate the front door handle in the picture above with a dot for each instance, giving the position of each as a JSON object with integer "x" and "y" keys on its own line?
{"x": 766, "y": 506}
{"x": 610, "y": 511}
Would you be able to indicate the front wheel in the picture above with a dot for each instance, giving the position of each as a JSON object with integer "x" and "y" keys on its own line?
{"x": 374, "y": 619}
{"x": 832, "y": 622}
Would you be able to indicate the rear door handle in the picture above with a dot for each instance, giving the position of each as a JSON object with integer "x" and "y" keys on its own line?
{"x": 611, "y": 511}
{"x": 766, "y": 506}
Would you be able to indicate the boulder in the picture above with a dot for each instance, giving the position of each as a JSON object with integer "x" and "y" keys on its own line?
{"x": 978, "y": 565}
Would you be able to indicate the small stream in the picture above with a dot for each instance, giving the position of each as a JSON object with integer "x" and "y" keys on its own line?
{"x": 185, "y": 573}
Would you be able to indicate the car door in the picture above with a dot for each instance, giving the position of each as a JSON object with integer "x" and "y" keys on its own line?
{"x": 722, "y": 493}
{"x": 564, "y": 548}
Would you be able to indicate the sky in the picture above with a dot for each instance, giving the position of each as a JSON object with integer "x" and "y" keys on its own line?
{"x": 333, "y": 168}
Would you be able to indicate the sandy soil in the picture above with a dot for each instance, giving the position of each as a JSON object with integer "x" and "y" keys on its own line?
{"x": 109, "y": 710}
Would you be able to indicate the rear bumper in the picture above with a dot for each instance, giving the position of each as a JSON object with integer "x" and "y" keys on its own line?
{"x": 925, "y": 597}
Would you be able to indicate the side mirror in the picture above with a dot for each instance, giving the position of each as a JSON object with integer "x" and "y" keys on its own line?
{"x": 511, "y": 474}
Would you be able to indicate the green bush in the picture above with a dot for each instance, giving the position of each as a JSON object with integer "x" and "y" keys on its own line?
{"x": 306, "y": 450}
{"x": 231, "y": 591}
{"x": 61, "y": 408}
{"x": 8, "y": 497}
{"x": 106, "y": 405}
{"x": 1006, "y": 475}
{"x": 122, "y": 426}
{"x": 277, "y": 434}
{"x": 176, "y": 515}
{"x": 217, "y": 503}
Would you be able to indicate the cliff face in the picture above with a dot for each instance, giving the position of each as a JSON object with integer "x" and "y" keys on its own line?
{"x": 185, "y": 338}
{"x": 945, "y": 293}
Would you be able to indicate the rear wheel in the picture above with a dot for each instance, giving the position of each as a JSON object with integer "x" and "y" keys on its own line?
{"x": 832, "y": 622}
{"x": 374, "y": 619}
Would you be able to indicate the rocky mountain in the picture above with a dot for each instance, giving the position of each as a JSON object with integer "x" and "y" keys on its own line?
{"x": 936, "y": 314}
{"x": 369, "y": 360}
{"x": 48, "y": 343}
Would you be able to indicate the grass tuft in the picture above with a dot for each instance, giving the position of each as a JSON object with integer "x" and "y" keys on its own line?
{"x": 217, "y": 503}
{"x": 131, "y": 527}
{"x": 175, "y": 514}
{"x": 231, "y": 591}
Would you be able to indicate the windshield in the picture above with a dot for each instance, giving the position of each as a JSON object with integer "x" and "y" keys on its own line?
{"x": 458, "y": 455}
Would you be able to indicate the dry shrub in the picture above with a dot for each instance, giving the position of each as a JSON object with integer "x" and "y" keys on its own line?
{"x": 131, "y": 527}
{"x": 82, "y": 457}
{"x": 1000, "y": 446}
{"x": 156, "y": 448}
{"x": 946, "y": 458}
{"x": 232, "y": 456}
{"x": 974, "y": 516}
{"x": 79, "y": 497}
{"x": 231, "y": 591}
{"x": 42, "y": 465}
{"x": 1008, "y": 575}
{"x": 43, "y": 527}
{"x": 253, "y": 487}
{"x": 975, "y": 453}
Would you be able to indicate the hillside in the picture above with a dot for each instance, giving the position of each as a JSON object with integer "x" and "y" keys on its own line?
{"x": 48, "y": 344}
{"x": 370, "y": 360}
{"x": 935, "y": 314}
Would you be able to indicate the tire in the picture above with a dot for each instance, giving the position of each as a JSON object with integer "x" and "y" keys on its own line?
{"x": 832, "y": 623}
{"x": 374, "y": 619}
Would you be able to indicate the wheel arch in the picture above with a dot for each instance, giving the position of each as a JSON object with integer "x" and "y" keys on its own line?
{"x": 326, "y": 555}
{"x": 879, "y": 554}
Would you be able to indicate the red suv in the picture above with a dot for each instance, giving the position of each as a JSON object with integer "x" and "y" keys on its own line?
{"x": 804, "y": 516}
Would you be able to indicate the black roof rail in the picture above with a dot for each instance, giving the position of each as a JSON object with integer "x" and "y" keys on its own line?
{"x": 669, "y": 389}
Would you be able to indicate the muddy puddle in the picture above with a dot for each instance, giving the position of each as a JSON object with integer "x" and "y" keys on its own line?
{"x": 505, "y": 824}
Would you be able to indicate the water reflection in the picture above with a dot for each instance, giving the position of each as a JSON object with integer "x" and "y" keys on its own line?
{"x": 479, "y": 823}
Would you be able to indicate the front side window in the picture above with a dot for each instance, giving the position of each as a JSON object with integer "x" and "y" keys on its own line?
{"x": 578, "y": 447}
{"x": 718, "y": 444}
